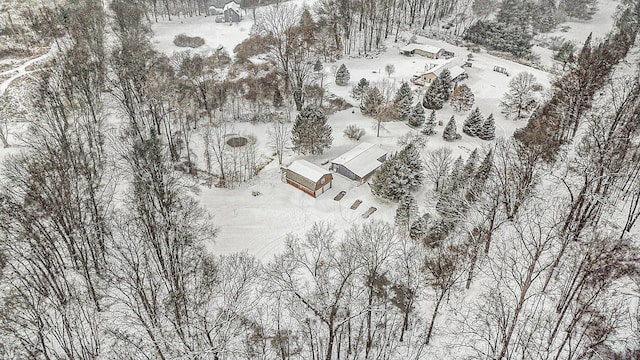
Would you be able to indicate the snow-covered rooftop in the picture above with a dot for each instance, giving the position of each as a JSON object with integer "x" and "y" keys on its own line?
{"x": 308, "y": 170}
{"x": 362, "y": 159}
{"x": 427, "y": 48}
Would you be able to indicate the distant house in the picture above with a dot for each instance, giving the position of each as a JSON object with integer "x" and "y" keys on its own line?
{"x": 431, "y": 73}
{"x": 308, "y": 177}
{"x": 429, "y": 51}
{"x": 228, "y": 10}
{"x": 232, "y": 12}
{"x": 360, "y": 162}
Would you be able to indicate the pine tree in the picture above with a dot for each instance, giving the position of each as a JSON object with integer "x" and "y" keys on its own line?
{"x": 456, "y": 176}
{"x": 403, "y": 100}
{"x": 406, "y": 213}
{"x": 480, "y": 177}
{"x": 311, "y": 133}
{"x": 410, "y": 156}
{"x": 579, "y": 9}
{"x": 388, "y": 181}
{"x": 371, "y": 101}
{"x": 399, "y": 174}
{"x": 420, "y": 227}
{"x": 360, "y": 89}
{"x": 277, "y": 99}
{"x": 342, "y": 76}
{"x": 449, "y": 133}
{"x": 433, "y": 97}
{"x": 417, "y": 115}
{"x": 430, "y": 124}
{"x": 462, "y": 98}
{"x": 469, "y": 166}
{"x": 473, "y": 123}
{"x": 488, "y": 130}
{"x": 446, "y": 83}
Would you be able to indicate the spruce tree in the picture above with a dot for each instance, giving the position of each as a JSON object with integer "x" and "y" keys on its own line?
{"x": 360, "y": 89}
{"x": 430, "y": 125}
{"x": 469, "y": 166}
{"x": 473, "y": 123}
{"x": 311, "y": 133}
{"x": 417, "y": 115}
{"x": 406, "y": 213}
{"x": 388, "y": 182}
{"x": 449, "y": 133}
{"x": 456, "y": 176}
{"x": 462, "y": 98}
{"x": 371, "y": 101}
{"x": 342, "y": 75}
{"x": 403, "y": 100}
{"x": 488, "y": 130}
{"x": 433, "y": 97}
{"x": 446, "y": 84}
{"x": 480, "y": 177}
{"x": 420, "y": 227}
{"x": 414, "y": 175}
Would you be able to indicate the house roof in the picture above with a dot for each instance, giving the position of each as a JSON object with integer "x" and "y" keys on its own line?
{"x": 308, "y": 170}
{"x": 233, "y": 6}
{"x": 427, "y": 48}
{"x": 362, "y": 159}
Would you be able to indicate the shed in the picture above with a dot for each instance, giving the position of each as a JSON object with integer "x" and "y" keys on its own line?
{"x": 360, "y": 162}
{"x": 308, "y": 177}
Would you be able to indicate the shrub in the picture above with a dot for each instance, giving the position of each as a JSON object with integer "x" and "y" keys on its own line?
{"x": 183, "y": 40}
{"x": 353, "y": 132}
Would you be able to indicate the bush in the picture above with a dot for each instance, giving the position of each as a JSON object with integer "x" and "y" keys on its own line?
{"x": 183, "y": 40}
{"x": 353, "y": 132}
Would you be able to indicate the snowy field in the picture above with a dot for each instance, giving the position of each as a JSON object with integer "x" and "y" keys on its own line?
{"x": 259, "y": 224}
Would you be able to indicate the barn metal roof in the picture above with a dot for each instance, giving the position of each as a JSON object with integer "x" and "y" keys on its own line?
{"x": 362, "y": 159}
{"x": 308, "y": 170}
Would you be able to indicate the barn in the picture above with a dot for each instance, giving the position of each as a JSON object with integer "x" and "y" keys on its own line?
{"x": 308, "y": 177}
{"x": 232, "y": 12}
{"x": 429, "y": 51}
{"x": 360, "y": 162}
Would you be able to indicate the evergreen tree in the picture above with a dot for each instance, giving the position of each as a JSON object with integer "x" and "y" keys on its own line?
{"x": 579, "y": 9}
{"x": 417, "y": 115}
{"x": 473, "y": 123}
{"x": 371, "y": 102}
{"x": 399, "y": 174}
{"x": 388, "y": 181}
{"x": 449, "y": 133}
{"x": 488, "y": 130}
{"x": 403, "y": 100}
{"x": 430, "y": 124}
{"x": 414, "y": 168}
{"x": 462, "y": 98}
{"x": 342, "y": 75}
{"x": 420, "y": 227}
{"x": 433, "y": 97}
{"x": 360, "y": 89}
{"x": 406, "y": 213}
{"x": 480, "y": 177}
{"x": 311, "y": 133}
{"x": 456, "y": 176}
{"x": 277, "y": 99}
{"x": 469, "y": 166}
{"x": 446, "y": 84}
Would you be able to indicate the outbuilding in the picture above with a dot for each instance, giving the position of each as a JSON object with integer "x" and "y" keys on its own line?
{"x": 360, "y": 162}
{"x": 429, "y": 51}
{"x": 308, "y": 177}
